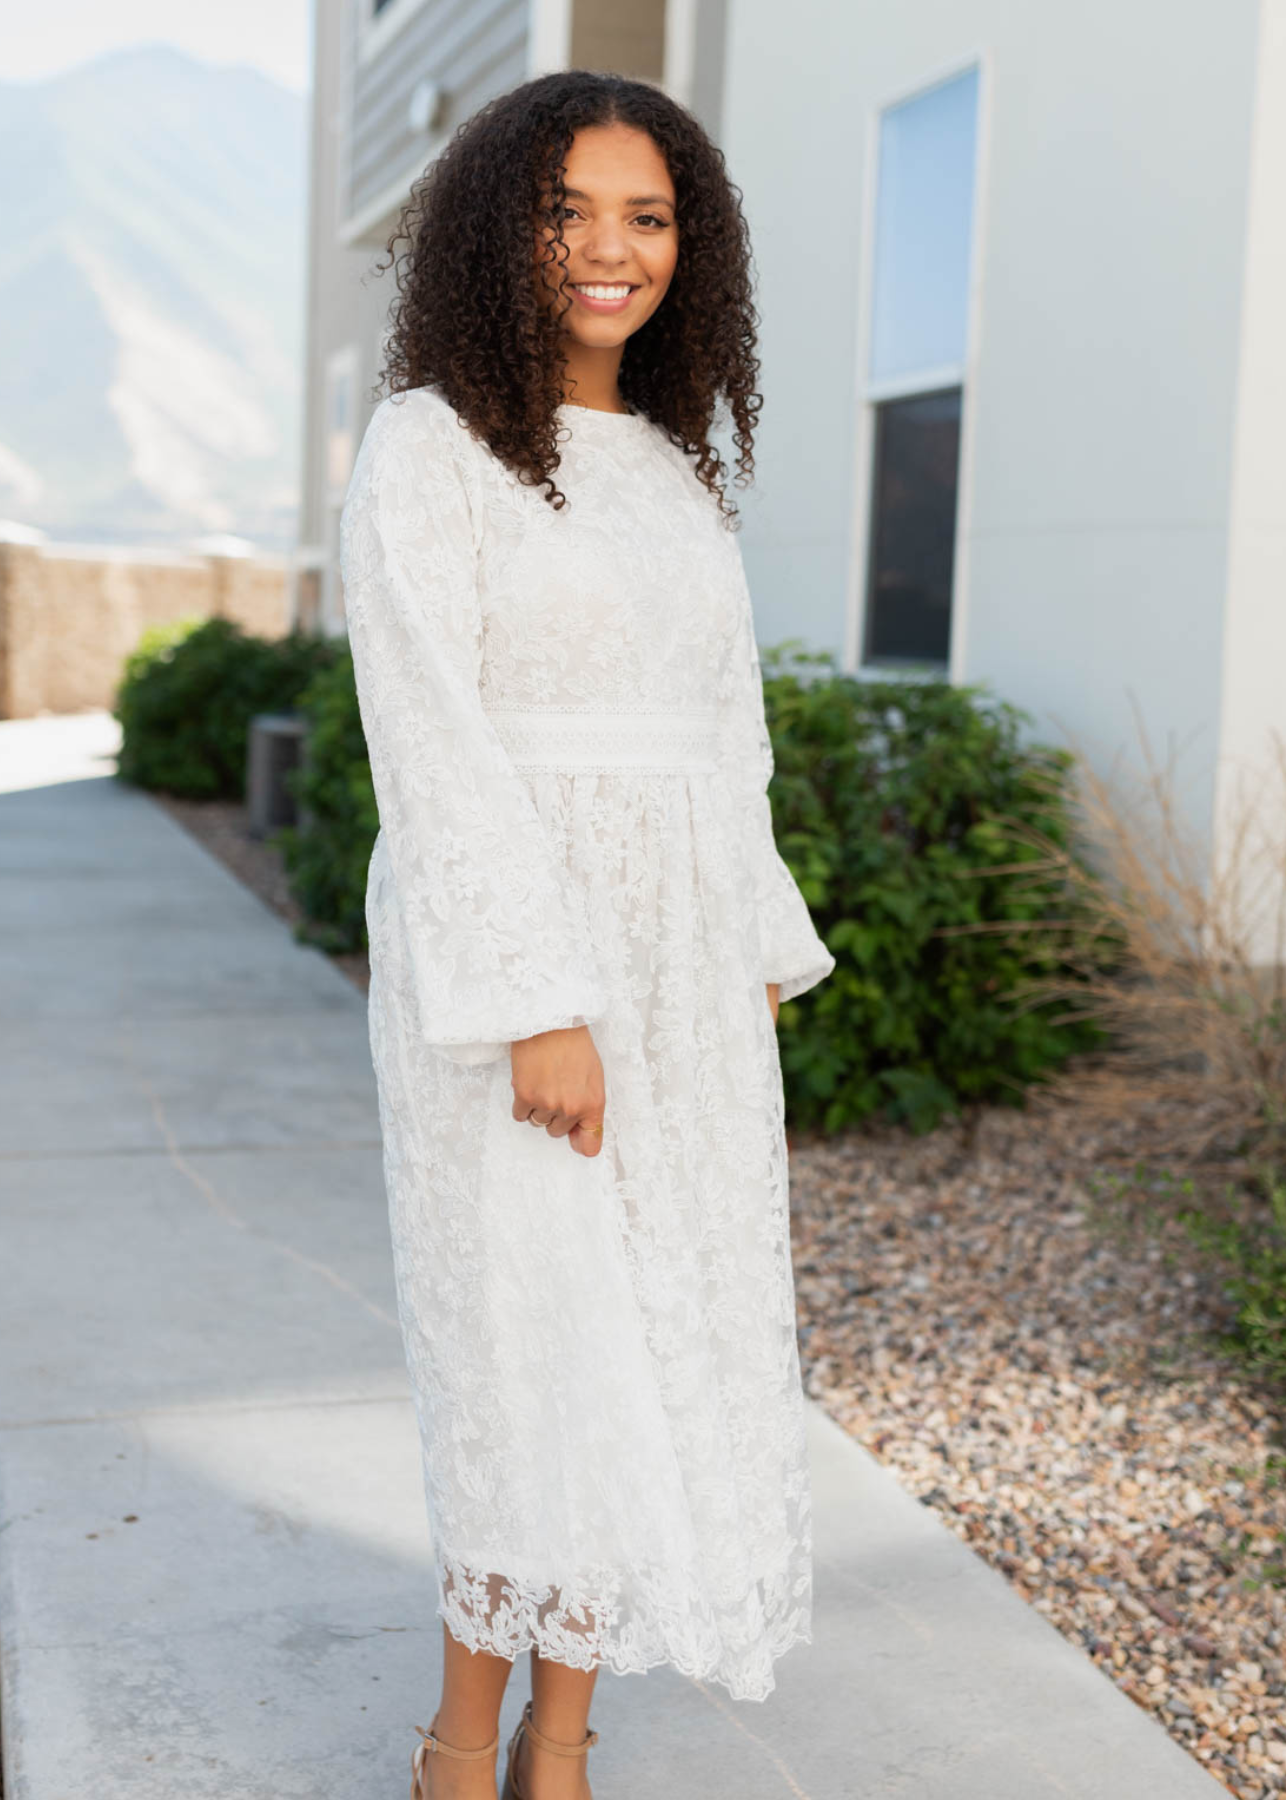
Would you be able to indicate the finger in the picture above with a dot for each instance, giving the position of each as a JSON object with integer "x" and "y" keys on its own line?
{"x": 560, "y": 1125}
{"x": 587, "y": 1136}
{"x": 527, "y": 1114}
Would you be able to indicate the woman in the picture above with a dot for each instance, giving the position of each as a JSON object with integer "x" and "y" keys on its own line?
{"x": 579, "y": 922}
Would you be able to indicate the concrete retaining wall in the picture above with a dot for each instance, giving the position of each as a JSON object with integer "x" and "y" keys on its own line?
{"x": 70, "y": 616}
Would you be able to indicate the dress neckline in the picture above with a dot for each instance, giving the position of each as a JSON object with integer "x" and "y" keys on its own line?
{"x": 568, "y": 410}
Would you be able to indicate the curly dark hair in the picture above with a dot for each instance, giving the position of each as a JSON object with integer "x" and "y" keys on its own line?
{"x": 468, "y": 320}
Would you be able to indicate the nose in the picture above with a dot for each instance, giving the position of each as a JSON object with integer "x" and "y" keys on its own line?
{"x": 607, "y": 242}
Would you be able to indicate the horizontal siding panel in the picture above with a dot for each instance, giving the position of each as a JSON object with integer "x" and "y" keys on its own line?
{"x": 423, "y": 43}
{"x": 448, "y": 54}
{"x": 472, "y": 51}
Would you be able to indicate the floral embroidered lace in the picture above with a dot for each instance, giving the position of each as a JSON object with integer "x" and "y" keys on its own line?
{"x": 565, "y": 719}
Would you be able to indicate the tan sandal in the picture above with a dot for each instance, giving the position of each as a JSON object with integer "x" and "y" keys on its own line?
{"x": 511, "y": 1789}
{"x": 431, "y": 1743}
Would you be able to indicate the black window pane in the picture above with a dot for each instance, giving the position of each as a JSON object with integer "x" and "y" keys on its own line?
{"x": 913, "y": 529}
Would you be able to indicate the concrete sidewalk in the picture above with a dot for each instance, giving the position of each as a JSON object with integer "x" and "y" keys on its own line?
{"x": 214, "y": 1571}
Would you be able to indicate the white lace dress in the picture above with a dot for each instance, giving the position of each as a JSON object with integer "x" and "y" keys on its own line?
{"x": 565, "y": 719}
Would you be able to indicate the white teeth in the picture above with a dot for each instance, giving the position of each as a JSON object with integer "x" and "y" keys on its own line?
{"x": 597, "y": 291}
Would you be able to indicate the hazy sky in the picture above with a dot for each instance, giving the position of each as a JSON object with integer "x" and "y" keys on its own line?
{"x": 271, "y": 34}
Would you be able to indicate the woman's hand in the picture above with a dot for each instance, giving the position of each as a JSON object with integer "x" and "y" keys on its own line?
{"x": 557, "y": 1079}
{"x": 774, "y": 990}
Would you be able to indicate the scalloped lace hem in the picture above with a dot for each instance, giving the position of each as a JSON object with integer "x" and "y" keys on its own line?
{"x": 528, "y": 1621}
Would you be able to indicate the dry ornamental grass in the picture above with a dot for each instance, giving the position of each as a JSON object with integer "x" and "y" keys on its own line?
{"x": 1194, "y": 999}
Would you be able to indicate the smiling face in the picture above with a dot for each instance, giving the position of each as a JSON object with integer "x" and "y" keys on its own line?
{"x": 621, "y": 236}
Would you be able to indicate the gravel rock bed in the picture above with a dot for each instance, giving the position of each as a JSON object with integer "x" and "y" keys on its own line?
{"x": 1039, "y": 1372}
{"x": 1037, "y": 1368}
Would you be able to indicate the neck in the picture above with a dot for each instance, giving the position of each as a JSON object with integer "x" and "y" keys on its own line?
{"x": 590, "y": 377}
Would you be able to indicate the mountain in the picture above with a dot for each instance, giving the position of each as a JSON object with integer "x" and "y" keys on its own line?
{"x": 151, "y": 300}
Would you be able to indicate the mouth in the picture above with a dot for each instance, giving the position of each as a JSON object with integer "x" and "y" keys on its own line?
{"x": 604, "y": 296}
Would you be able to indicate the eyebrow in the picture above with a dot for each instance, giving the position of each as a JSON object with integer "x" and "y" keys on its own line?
{"x": 634, "y": 200}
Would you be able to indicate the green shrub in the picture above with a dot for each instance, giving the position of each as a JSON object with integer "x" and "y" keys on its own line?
{"x": 328, "y": 853}
{"x": 896, "y": 806}
{"x": 903, "y": 810}
{"x": 187, "y": 697}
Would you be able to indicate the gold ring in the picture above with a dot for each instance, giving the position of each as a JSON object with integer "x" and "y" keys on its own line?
{"x": 596, "y": 1129}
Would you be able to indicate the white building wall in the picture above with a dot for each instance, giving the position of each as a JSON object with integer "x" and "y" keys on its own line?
{"x": 338, "y": 328}
{"x": 1254, "y": 638}
{"x": 1100, "y": 404}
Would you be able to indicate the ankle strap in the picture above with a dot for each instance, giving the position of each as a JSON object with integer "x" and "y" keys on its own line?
{"x": 544, "y": 1743}
{"x": 430, "y": 1741}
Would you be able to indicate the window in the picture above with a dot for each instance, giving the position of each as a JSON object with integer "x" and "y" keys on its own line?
{"x": 922, "y": 247}
{"x": 908, "y": 614}
{"x": 340, "y": 438}
{"x": 340, "y": 423}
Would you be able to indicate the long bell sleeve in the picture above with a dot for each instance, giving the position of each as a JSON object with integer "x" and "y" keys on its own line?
{"x": 793, "y": 954}
{"x": 482, "y": 919}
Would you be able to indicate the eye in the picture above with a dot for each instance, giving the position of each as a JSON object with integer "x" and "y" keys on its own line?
{"x": 654, "y": 218}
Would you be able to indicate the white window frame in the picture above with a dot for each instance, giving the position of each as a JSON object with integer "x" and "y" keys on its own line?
{"x": 331, "y": 617}
{"x": 343, "y": 364}
{"x": 871, "y": 393}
